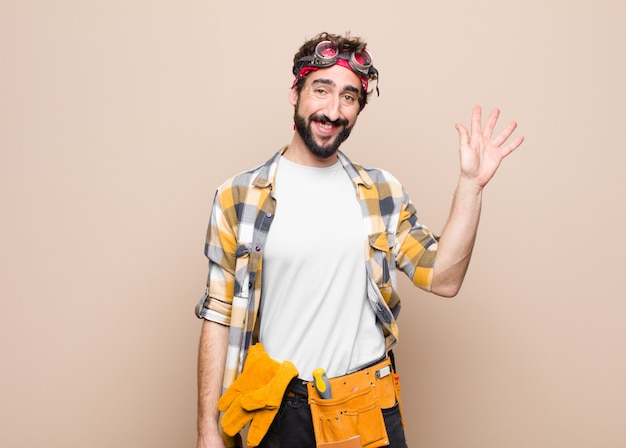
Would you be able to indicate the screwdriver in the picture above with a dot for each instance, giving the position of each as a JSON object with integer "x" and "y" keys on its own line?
{"x": 321, "y": 383}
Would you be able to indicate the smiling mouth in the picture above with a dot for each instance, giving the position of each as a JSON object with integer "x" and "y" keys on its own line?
{"x": 326, "y": 127}
{"x": 327, "y": 123}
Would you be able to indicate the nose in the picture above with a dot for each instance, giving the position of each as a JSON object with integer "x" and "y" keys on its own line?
{"x": 332, "y": 108}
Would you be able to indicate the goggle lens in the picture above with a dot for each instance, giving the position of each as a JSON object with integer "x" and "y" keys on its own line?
{"x": 326, "y": 51}
{"x": 361, "y": 61}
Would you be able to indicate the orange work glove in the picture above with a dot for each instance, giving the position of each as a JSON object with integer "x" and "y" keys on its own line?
{"x": 259, "y": 373}
{"x": 265, "y": 402}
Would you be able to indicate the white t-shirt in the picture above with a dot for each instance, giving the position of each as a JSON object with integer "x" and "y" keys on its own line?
{"x": 314, "y": 309}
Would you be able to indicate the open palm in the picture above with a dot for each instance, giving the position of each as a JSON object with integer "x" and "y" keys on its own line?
{"x": 480, "y": 155}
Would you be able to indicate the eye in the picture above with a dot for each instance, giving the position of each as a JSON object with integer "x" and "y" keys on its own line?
{"x": 349, "y": 98}
{"x": 320, "y": 92}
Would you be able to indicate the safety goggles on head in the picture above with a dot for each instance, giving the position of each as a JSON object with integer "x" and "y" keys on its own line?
{"x": 327, "y": 54}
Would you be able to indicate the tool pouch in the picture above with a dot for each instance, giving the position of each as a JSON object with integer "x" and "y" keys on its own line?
{"x": 355, "y": 410}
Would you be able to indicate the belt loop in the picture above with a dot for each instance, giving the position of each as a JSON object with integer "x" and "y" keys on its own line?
{"x": 392, "y": 358}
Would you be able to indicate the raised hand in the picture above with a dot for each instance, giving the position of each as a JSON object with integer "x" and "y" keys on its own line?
{"x": 480, "y": 155}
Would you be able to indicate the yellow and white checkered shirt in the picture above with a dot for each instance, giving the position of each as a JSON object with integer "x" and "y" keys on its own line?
{"x": 241, "y": 217}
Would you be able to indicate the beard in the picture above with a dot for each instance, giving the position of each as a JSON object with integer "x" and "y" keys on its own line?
{"x": 329, "y": 145}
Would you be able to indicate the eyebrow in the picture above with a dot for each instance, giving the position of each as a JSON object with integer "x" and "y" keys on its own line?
{"x": 330, "y": 82}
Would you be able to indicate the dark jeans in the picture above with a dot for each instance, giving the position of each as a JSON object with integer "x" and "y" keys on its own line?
{"x": 293, "y": 425}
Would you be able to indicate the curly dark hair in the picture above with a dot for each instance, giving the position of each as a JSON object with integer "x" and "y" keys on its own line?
{"x": 345, "y": 44}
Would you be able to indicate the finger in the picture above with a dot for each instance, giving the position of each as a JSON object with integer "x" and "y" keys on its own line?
{"x": 491, "y": 123}
{"x": 505, "y": 134}
{"x": 476, "y": 125}
{"x": 508, "y": 149}
{"x": 463, "y": 135}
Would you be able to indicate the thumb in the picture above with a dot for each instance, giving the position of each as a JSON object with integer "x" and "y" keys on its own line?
{"x": 463, "y": 134}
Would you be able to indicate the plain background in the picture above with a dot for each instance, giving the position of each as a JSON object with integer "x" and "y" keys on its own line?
{"x": 119, "y": 118}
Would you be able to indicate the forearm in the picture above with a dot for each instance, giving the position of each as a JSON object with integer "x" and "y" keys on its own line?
{"x": 211, "y": 362}
{"x": 457, "y": 239}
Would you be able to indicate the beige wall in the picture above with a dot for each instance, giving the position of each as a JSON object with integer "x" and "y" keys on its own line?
{"x": 118, "y": 119}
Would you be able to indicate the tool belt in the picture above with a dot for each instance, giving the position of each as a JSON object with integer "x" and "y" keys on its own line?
{"x": 353, "y": 416}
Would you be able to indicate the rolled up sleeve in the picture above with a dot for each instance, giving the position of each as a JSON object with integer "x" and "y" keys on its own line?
{"x": 216, "y": 304}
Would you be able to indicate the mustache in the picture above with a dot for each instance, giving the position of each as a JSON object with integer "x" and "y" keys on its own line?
{"x": 324, "y": 120}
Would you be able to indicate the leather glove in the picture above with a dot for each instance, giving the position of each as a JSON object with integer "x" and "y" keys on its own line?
{"x": 258, "y": 361}
{"x": 257, "y": 372}
{"x": 232, "y": 442}
{"x": 261, "y": 379}
{"x": 265, "y": 402}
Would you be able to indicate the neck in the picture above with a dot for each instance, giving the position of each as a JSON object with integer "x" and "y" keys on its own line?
{"x": 300, "y": 153}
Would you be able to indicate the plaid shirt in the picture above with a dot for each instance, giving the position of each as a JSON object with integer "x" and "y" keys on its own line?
{"x": 241, "y": 217}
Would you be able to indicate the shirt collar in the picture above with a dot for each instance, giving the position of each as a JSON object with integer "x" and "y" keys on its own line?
{"x": 267, "y": 173}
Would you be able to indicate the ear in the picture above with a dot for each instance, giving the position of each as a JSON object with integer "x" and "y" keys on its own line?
{"x": 293, "y": 96}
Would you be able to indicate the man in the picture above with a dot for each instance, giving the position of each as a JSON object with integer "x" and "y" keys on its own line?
{"x": 303, "y": 253}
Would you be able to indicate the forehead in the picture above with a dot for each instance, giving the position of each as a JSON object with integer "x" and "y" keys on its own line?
{"x": 335, "y": 75}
